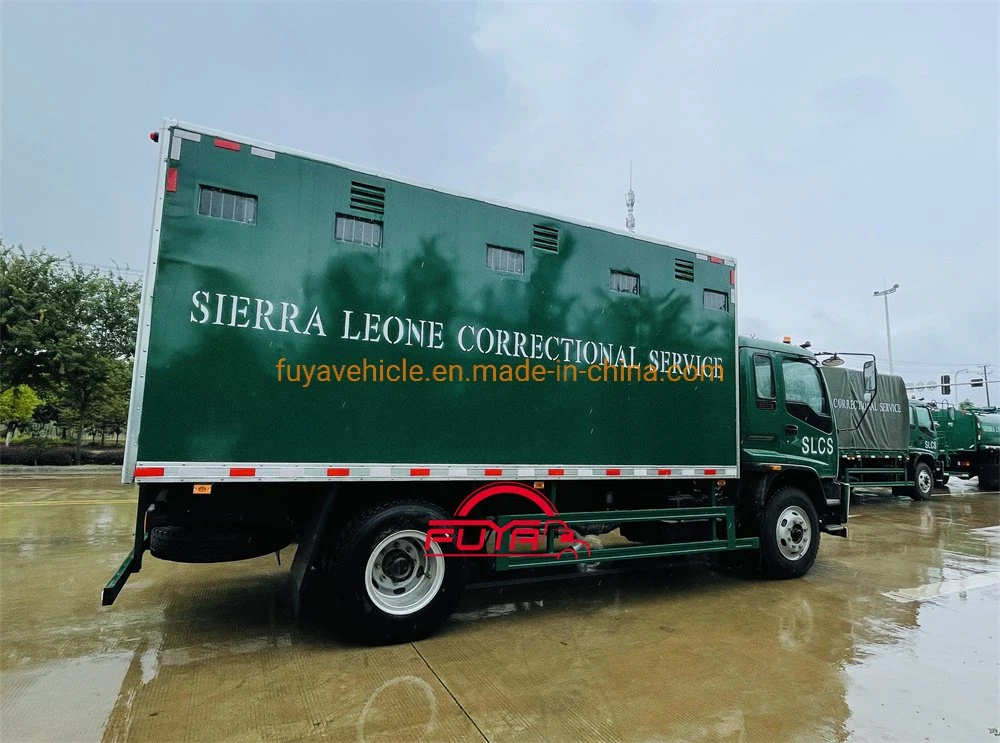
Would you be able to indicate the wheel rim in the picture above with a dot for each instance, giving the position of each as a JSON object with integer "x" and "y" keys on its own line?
{"x": 399, "y": 578}
{"x": 924, "y": 481}
{"x": 793, "y": 533}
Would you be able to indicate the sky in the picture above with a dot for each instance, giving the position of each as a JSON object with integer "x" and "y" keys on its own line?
{"x": 832, "y": 148}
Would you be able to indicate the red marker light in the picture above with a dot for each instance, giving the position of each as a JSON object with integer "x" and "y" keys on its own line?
{"x": 714, "y": 259}
{"x": 155, "y": 136}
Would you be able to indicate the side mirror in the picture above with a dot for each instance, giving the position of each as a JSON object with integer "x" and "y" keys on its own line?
{"x": 868, "y": 373}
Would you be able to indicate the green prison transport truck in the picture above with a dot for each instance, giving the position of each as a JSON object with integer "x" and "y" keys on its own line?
{"x": 891, "y": 443}
{"x": 969, "y": 443}
{"x": 383, "y": 373}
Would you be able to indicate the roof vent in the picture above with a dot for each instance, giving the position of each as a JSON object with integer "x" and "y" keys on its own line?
{"x": 366, "y": 198}
{"x": 545, "y": 238}
{"x": 683, "y": 269}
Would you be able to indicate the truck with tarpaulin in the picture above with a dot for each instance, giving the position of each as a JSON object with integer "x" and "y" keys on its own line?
{"x": 350, "y": 362}
{"x": 969, "y": 443}
{"x": 878, "y": 445}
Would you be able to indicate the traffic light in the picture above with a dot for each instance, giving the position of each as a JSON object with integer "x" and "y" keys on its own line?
{"x": 946, "y": 384}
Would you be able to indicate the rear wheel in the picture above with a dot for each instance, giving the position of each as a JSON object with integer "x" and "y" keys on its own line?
{"x": 923, "y": 482}
{"x": 387, "y": 586}
{"x": 789, "y": 534}
{"x": 989, "y": 476}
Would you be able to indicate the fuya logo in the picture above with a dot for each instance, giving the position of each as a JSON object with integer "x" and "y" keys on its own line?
{"x": 471, "y": 537}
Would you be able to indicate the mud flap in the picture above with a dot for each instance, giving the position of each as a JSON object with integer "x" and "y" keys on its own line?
{"x": 307, "y": 549}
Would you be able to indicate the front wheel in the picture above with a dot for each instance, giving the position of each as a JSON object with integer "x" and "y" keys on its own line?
{"x": 387, "y": 585}
{"x": 789, "y": 534}
{"x": 923, "y": 482}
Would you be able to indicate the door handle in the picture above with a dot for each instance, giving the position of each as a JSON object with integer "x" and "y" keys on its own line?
{"x": 791, "y": 430}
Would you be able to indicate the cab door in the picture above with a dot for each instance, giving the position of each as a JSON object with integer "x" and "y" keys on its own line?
{"x": 761, "y": 424}
{"x": 807, "y": 432}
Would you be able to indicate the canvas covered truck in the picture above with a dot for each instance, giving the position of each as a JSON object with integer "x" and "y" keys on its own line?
{"x": 418, "y": 388}
{"x": 969, "y": 443}
{"x": 890, "y": 445}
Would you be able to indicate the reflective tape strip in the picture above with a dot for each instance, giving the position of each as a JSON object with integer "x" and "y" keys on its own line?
{"x": 207, "y": 472}
{"x": 179, "y": 136}
{"x": 701, "y": 256}
{"x": 259, "y": 152}
{"x": 149, "y": 471}
{"x": 225, "y": 144}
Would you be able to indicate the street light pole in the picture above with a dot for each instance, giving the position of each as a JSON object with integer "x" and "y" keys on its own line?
{"x": 956, "y": 384}
{"x": 888, "y": 336}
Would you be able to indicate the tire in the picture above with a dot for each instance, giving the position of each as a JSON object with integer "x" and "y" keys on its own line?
{"x": 923, "y": 482}
{"x": 789, "y": 535}
{"x": 405, "y": 603}
{"x": 989, "y": 476}
{"x": 181, "y": 544}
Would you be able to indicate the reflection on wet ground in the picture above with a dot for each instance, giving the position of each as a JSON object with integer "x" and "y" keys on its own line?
{"x": 893, "y": 636}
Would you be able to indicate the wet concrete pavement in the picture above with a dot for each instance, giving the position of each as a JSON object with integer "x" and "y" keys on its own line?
{"x": 893, "y": 636}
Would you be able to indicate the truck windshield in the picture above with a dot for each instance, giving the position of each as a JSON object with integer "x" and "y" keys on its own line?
{"x": 923, "y": 418}
{"x": 805, "y": 397}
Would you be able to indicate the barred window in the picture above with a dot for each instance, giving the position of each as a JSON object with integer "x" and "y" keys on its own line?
{"x": 230, "y": 205}
{"x": 624, "y": 282}
{"x": 505, "y": 259}
{"x": 716, "y": 300}
{"x": 358, "y": 231}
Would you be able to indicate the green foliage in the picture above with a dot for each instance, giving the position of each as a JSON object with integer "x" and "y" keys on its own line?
{"x": 68, "y": 332}
{"x": 17, "y": 404}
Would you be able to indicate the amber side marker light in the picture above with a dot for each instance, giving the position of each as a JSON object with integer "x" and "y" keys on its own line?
{"x": 202, "y": 490}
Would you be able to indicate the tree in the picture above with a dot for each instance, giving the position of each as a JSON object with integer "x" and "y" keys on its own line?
{"x": 965, "y": 405}
{"x": 65, "y": 330}
{"x": 109, "y": 412}
{"x": 17, "y": 405}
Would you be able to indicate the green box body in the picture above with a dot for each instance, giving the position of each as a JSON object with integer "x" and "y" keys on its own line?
{"x": 231, "y": 304}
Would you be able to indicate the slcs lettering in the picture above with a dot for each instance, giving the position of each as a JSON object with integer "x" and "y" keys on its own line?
{"x": 817, "y": 445}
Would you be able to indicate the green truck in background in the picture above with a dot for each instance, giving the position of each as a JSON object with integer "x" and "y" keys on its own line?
{"x": 893, "y": 444}
{"x": 969, "y": 443}
{"x": 353, "y": 363}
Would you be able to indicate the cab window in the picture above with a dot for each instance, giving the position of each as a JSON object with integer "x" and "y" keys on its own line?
{"x": 763, "y": 374}
{"x": 923, "y": 418}
{"x": 805, "y": 397}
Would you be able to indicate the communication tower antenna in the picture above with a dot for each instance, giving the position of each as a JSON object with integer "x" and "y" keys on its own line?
{"x": 630, "y": 202}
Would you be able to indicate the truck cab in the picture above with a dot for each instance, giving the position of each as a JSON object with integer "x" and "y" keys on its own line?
{"x": 787, "y": 428}
{"x": 924, "y": 441}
